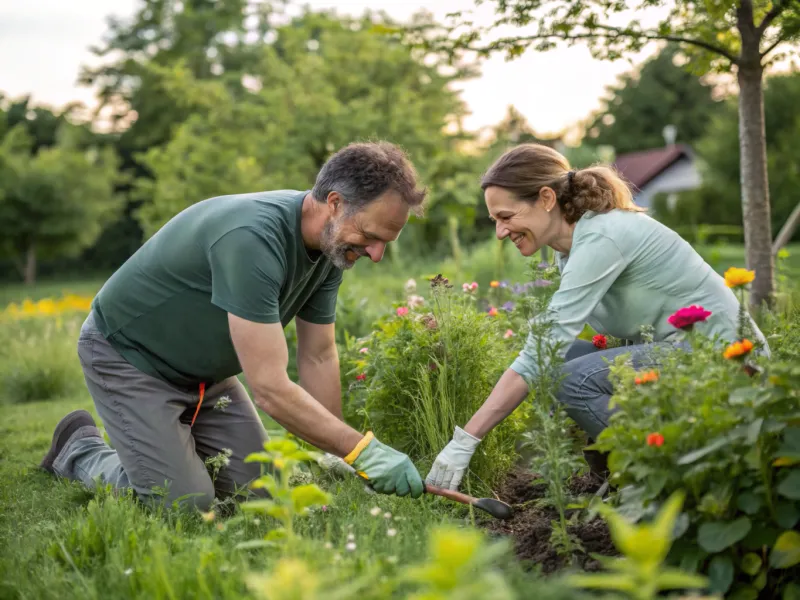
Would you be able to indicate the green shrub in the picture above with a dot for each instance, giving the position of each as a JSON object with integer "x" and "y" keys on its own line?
{"x": 733, "y": 443}
{"x": 429, "y": 370}
{"x": 39, "y": 359}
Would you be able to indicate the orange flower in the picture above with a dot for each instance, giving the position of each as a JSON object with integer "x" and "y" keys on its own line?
{"x": 737, "y": 349}
{"x": 735, "y": 277}
{"x": 492, "y": 312}
{"x": 646, "y": 377}
{"x": 494, "y": 284}
{"x": 655, "y": 439}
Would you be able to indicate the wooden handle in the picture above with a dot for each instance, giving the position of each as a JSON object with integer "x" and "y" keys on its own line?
{"x": 451, "y": 494}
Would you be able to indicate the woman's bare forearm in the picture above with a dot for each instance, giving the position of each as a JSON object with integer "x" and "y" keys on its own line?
{"x": 507, "y": 395}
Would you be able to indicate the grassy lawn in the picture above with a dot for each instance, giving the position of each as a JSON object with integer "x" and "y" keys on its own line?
{"x": 61, "y": 541}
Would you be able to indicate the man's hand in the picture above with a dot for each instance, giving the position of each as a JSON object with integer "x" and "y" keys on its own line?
{"x": 449, "y": 467}
{"x": 387, "y": 470}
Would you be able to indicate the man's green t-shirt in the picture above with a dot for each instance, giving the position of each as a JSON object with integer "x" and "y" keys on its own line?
{"x": 165, "y": 310}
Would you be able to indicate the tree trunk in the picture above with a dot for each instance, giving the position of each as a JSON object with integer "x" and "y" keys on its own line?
{"x": 753, "y": 173}
{"x": 30, "y": 265}
{"x": 787, "y": 231}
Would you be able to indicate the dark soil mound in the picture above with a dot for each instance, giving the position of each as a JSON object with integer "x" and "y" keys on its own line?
{"x": 531, "y": 526}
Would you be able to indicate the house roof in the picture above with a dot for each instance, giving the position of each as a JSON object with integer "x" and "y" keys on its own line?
{"x": 640, "y": 168}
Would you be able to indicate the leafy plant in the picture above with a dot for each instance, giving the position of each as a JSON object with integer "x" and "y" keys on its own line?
{"x": 422, "y": 373}
{"x": 641, "y": 573}
{"x": 733, "y": 443}
{"x": 285, "y": 502}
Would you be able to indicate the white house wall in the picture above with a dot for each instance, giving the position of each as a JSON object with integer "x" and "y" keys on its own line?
{"x": 679, "y": 177}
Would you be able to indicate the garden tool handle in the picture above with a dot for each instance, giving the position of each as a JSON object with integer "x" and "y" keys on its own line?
{"x": 450, "y": 494}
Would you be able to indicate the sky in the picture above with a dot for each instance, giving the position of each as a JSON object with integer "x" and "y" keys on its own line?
{"x": 44, "y": 43}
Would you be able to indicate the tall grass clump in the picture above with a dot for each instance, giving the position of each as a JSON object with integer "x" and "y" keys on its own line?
{"x": 38, "y": 359}
{"x": 427, "y": 368}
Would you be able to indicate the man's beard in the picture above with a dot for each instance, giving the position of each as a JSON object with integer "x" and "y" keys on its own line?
{"x": 337, "y": 252}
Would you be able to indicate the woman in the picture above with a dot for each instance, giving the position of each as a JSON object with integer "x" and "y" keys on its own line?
{"x": 620, "y": 270}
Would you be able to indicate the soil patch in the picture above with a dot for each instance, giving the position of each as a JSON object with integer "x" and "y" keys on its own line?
{"x": 531, "y": 526}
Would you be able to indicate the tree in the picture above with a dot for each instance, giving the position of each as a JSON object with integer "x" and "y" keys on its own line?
{"x": 721, "y": 167}
{"x": 54, "y": 202}
{"x": 641, "y": 104}
{"x": 719, "y": 35}
{"x": 323, "y": 83}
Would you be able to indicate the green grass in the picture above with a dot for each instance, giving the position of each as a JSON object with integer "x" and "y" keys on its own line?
{"x": 61, "y": 541}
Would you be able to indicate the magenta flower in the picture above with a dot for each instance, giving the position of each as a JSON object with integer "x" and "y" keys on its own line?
{"x": 402, "y": 311}
{"x": 686, "y": 317}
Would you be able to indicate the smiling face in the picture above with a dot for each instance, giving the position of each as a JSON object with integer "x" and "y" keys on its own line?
{"x": 347, "y": 237}
{"x": 529, "y": 225}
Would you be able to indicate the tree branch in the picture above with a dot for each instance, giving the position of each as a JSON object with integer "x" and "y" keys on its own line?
{"x": 606, "y": 30}
{"x": 773, "y": 45}
{"x": 776, "y": 10}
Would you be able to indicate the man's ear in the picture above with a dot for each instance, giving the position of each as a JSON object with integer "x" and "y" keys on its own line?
{"x": 334, "y": 202}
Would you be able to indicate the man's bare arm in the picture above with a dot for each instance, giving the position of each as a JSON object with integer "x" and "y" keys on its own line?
{"x": 318, "y": 364}
{"x": 262, "y": 352}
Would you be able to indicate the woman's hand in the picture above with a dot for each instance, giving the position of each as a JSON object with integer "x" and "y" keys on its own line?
{"x": 449, "y": 467}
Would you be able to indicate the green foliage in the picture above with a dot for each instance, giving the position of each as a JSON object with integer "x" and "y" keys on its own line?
{"x": 55, "y": 202}
{"x": 38, "y": 360}
{"x": 717, "y": 200}
{"x": 426, "y": 372}
{"x": 285, "y": 502}
{"x": 641, "y": 573}
{"x": 641, "y": 104}
{"x": 730, "y": 440}
{"x": 298, "y": 110}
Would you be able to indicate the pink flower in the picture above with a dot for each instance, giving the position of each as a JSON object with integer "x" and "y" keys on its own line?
{"x": 364, "y": 350}
{"x": 402, "y": 311}
{"x": 600, "y": 341}
{"x": 492, "y": 312}
{"x": 361, "y": 377}
{"x": 473, "y": 286}
{"x": 415, "y": 301}
{"x": 508, "y": 334}
{"x": 688, "y": 316}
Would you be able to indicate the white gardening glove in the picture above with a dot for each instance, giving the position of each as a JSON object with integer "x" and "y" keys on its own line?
{"x": 452, "y": 462}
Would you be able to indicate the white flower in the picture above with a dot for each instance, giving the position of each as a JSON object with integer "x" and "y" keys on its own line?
{"x": 411, "y": 286}
{"x": 337, "y": 557}
{"x": 256, "y": 521}
{"x": 328, "y": 546}
{"x": 350, "y": 546}
{"x": 350, "y": 537}
{"x": 128, "y": 571}
{"x": 375, "y": 511}
{"x": 391, "y": 532}
{"x": 387, "y": 515}
{"x": 414, "y": 301}
{"x": 391, "y": 560}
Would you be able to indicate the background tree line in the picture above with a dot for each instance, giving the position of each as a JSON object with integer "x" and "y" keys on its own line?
{"x": 211, "y": 97}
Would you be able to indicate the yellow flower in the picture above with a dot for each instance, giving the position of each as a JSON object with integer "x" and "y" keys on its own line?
{"x": 735, "y": 277}
{"x": 737, "y": 349}
{"x": 494, "y": 284}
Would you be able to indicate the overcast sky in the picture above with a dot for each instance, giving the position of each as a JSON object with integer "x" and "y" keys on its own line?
{"x": 43, "y": 43}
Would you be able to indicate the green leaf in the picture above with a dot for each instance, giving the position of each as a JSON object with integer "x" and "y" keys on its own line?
{"x": 603, "y": 581}
{"x": 673, "y": 579}
{"x": 715, "y": 537}
{"x": 791, "y": 592}
{"x": 749, "y": 503}
{"x": 688, "y": 459}
{"x": 745, "y": 592}
{"x": 753, "y": 431}
{"x": 790, "y": 486}
{"x": 743, "y": 395}
{"x": 304, "y": 496}
{"x": 787, "y": 514}
{"x": 790, "y": 448}
{"x": 760, "y": 536}
{"x": 720, "y": 574}
{"x": 751, "y": 563}
{"x": 255, "y": 544}
{"x": 786, "y": 552}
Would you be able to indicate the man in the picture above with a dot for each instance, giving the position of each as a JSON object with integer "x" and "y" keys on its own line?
{"x": 205, "y": 299}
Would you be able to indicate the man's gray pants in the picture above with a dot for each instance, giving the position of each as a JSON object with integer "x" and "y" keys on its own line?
{"x": 155, "y": 451}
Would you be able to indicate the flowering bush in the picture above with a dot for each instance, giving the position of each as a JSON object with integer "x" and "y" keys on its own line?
{"x": 733, "y": 443}
{"x": 428, "y": 369}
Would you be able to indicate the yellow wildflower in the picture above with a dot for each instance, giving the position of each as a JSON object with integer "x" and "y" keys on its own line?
{"x": 736, "y": 277}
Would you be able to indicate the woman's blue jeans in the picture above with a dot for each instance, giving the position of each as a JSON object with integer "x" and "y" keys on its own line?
{"x": 585, "y": 390}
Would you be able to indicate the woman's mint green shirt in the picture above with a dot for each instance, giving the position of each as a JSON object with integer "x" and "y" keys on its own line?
{"x": 626, "y": 270}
